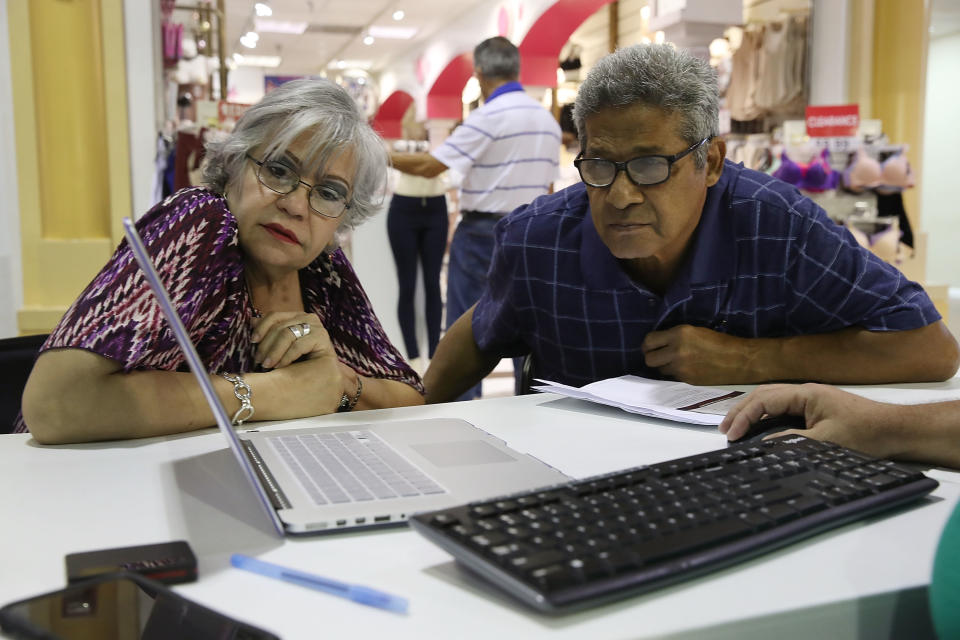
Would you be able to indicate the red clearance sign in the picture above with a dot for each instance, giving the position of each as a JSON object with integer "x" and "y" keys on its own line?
{"x": 838, "y": 121}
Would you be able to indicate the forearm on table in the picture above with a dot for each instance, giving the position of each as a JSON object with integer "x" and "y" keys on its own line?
{"x": 118, "y": 405}
{"x": 458, "y": 363}
{"x": 77, "y": 396}
{"x": 279, "y": 394}
{"x": 922, "y": 432}
{"x": 855, "y": 356}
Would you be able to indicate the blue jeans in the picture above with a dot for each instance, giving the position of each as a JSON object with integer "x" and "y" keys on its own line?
{"x": 417, "y": 228}
{"x": 470, "y": 254}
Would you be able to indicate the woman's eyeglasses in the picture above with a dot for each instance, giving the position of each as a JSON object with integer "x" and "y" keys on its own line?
{"x": 327, "y": 200}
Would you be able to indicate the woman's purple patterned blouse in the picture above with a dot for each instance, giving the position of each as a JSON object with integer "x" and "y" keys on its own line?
{"x": 192, "y": 238}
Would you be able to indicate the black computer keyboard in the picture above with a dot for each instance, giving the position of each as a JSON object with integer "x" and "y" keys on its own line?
{"x": 574, "y": 545}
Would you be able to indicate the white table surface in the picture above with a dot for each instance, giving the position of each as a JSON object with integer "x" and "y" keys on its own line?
{"x": 864, "y": 580}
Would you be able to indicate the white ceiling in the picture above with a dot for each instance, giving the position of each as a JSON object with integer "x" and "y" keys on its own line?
{"x": 337, "y": 27}
{"x": 336, "y": 30}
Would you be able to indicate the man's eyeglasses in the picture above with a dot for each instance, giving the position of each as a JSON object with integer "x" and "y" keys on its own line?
{"x": 327, "y": 200}
{"x": 643, "y": 171}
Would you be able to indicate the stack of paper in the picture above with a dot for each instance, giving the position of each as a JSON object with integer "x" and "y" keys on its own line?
{"x": 656, "y": 398}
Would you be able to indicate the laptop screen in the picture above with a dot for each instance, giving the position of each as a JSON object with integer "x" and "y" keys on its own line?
{"x": 198, "y": 369}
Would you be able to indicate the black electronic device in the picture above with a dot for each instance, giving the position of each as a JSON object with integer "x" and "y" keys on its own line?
{"x": 769, "y": 425}
{"x": 166, "y": 562}
{"x": 584, "y": 542}
{"x": 124, "y": 605}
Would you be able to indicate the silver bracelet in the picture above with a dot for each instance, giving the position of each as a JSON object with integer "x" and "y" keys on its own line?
{"x": 243, "y": 392}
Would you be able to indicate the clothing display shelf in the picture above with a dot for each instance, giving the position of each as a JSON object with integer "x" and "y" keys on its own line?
{"x": 765, "y": 77}
{"x": 219, "y": 30}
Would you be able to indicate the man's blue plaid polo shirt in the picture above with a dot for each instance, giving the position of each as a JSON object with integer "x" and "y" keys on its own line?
{"x": 766, "y": 262}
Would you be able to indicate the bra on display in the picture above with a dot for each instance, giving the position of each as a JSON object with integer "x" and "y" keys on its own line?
{"x": 754, "y": 153}
{"x": 816, "y": 175}
{"x": 881, "y": 236}
{"x": 891, "y": 175}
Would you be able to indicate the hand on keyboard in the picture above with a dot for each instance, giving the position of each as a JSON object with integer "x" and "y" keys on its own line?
{"x": 830, "y": 414}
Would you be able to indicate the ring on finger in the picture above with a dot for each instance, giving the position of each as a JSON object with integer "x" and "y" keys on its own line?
{"x": 296, "y": 330}
{"x": 305, "y": 327}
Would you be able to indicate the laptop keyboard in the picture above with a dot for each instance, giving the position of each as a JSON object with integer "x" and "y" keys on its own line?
{"x": 588, "y": 541}
{"x": 351, "y": 466}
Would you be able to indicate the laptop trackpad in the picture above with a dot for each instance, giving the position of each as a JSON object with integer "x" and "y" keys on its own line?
{"x": 461, "y": 452}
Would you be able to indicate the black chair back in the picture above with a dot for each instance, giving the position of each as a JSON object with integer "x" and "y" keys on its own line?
{"x": 523, "y": 383}
{"x": 17, "y": 356}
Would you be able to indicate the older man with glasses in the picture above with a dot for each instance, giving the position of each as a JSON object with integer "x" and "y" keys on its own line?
{"x": 669, "y": 261}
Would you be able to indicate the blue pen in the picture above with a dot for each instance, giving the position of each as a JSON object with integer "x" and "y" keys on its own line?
{"x": 355, "y": 592}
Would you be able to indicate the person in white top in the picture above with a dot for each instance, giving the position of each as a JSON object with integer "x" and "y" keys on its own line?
{"x": 507, "y": 151}
{"x": 417, "y": 226}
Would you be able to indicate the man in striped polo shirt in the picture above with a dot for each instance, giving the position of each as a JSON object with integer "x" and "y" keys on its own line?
{"x": 507, "y": 151}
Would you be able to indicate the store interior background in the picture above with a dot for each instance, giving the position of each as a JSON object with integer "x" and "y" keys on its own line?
{"x": 446, "y": 29}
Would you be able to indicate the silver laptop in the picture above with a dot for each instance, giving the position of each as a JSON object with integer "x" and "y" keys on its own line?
{"x": 323, "y": 479}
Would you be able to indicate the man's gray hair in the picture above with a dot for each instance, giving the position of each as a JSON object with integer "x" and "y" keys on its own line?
{"x": 655, "y": 75}
{"x": 333, "y": 124}
{"x": 497, "y": 58}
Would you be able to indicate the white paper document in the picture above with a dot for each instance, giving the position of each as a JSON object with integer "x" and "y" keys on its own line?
{"x": 656, "y": 398}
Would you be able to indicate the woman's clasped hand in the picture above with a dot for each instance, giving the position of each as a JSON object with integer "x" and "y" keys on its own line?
{"x": 283, "y": 337}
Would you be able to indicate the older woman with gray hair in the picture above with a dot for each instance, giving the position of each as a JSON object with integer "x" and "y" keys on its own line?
{"x": 274, "y": 308}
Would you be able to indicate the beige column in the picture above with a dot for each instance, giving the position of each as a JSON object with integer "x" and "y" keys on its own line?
{"x": 860, "y": 76}
{"x": 899, "y": 74}
{"x": 73, "y": 165}
{"x": 888, "y": 72}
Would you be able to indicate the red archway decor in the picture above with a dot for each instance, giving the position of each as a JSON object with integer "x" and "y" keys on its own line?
{"x": 539, "y": 56}
{"x": 540, "y": 49}
{"x": 388, "y": 119}
{"x": 444, "y": 97}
